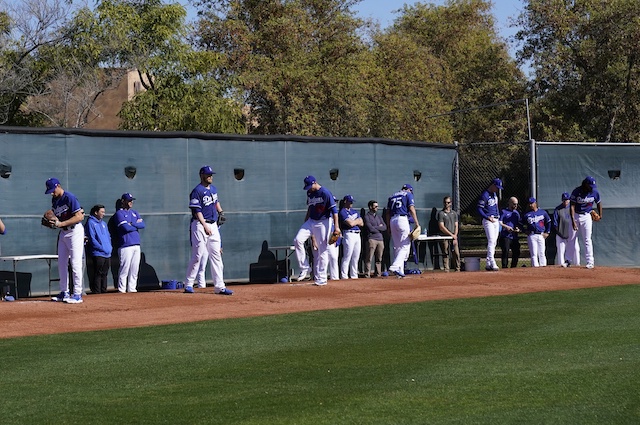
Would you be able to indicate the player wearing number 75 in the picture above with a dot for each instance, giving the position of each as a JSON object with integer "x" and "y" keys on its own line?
{"x": 399, "y": 206}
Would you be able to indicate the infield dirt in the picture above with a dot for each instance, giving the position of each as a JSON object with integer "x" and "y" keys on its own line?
{"x": 38, "y": 316}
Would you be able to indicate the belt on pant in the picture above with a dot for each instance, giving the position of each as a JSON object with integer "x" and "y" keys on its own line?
{"x": 399, "y": 215}
{"x": 209, "y": 221}
{"x": 69, "y": 227}
{"x": 352, "y": 231}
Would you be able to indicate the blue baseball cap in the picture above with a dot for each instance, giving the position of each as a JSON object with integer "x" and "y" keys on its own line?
{"x": 497, "y": 182}
{"x": 51, "y": 184}
{"x": 566, "y": 196}
{"x": 206, "y": 170}
{"x": 348, "y": 198}
{"x": 590, "y": 181}
{"x": 532, "y": 200}
{"x": 127, "y": 197}
{"x": 407, "y": 187}
{"x": 308, "y": 182}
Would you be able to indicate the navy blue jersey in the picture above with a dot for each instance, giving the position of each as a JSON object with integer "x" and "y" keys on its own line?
{"x": 400, "y": 202}
{"x": 204, "y": 200}
{"x": 488, "y": 205}
{"x": 511, "y": 219}
{"x": 584, "y": 202}
{"x": 537, "y": 221}
{"x": 65, "y": 206}
{"x": 321, "y": 204}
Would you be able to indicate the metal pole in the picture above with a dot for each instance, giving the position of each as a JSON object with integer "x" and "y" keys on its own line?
{"x": 528, "y": 117}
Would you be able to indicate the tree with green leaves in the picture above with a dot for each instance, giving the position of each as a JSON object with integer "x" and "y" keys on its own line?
{"x": 301, "y": 65}
{"x": 474, "y": 69}
{"x": 585, "y": 55}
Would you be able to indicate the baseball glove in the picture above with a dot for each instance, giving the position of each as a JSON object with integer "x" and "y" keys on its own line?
{"x": 595, "y": 216}
{"x": 221, "y": 218}
{"x": 334, "y": 237}
{"x": 49, "y": 219}
{"x": 415, "y": 233}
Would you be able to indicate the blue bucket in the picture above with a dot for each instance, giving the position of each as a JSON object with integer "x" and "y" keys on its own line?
{"x": 170, "y": 284}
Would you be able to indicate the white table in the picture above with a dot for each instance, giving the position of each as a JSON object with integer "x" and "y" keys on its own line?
{"x": 427, "y": 257}
{"x": 15, "y": 258}
{"x": 288, "y": 250}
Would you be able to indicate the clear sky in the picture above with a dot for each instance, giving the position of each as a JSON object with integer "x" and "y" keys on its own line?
{"x": 384, "y": 11}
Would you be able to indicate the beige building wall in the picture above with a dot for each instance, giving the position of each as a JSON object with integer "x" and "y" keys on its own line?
{"x": 108, "y": 104}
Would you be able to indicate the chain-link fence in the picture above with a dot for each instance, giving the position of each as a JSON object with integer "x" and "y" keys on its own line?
{"x": 481, "y": 162}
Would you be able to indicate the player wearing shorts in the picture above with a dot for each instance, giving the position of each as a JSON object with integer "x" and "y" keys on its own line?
{"x": 69, "y": 214}
{"x": 488, "y": 209}
{"x": 584, "y": 199}
{"x": 206, "y": 212}
{"x": 399, "y": 206}
{"x": 321, "y": 210}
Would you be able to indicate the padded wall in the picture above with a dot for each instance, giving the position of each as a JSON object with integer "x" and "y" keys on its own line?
{"x": 268, "y": 203}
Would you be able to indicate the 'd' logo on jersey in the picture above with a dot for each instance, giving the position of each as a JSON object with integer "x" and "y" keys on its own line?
{"x": 492, "y": 201}
{"x": 62, "y": 211}
{"x": 209, "y": 199}
{"x": 587, "y": 200}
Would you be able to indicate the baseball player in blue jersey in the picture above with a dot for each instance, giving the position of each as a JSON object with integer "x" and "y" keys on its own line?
{"x": 352, "y": 245}
{"x": 69, "y": 214}
{"x": 509, "y": 239}
{"x": 400, "y": 205}
{"x": 538, "y": 227}
{"x": 584, "y": 199}
{"x": 568, "y": 253}
{"x": 488, "y": 210}
{"x": 206, "y": 213}
{"x": 128, "y": 222}
{"x": 321, "y": 210}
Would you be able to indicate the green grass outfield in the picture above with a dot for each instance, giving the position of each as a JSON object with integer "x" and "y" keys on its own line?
{"x": 565, "y": 357}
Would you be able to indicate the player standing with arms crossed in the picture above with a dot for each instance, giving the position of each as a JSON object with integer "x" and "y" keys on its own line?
{"x": 128, "y": 223}
{"x": 399, "y": 206}
{"x": 583, "y": 199}
{"x": 206, "y": 213}
{"x": 538, "y": 225}
{"x": 321, "y": 209}
{"x": 69, "y": 213}
{"x": 352, "y": 245}
{"x": 488, "y": 210}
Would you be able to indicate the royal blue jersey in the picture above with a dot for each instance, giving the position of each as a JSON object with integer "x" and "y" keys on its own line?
{"x": 348, "y": 214}
{"x": 65, "y": 206}
{"x": 584, "y": 202}
{"x": 400, "y": 202}
{"x": 204, "y": 200}
{"x": 537, "y": 221}
{"x": 321, "y": 204}
{"x": 128, "y": 226}
{"x": 488, "y": 205}
{"x": 511, "y": 219}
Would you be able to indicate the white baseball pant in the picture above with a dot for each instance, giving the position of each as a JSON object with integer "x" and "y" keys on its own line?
{"x": 351, "y": 247}
{"x": 537, "y": 250}
{"x": 567, "y": 250}
{"x": 320, "y": 230}
{"x": 334, "y": 271}
{"x": 585, "y": 228}
{"x": 129, "y": 268}
{"x": 203, "y": 245}
{"x": 401, "y": 243}
{"x": 492, "y": 230}
{"x": 71, "y": 249}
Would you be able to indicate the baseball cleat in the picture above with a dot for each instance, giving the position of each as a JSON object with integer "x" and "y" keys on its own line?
{"x": 189, "y": 290}
{"x": 74, "y": 299}
{"x": 398, "y": 273}
{"x": 319, "y": 283}
{"x": 302, "y": 276}
{"x": 224, "y": 291}
{"x": 590, "y": 266}
{"x": 60, "y": 297}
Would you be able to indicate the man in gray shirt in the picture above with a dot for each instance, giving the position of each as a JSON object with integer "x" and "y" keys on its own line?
{"x": 374, "y": 225}
{"x": 448, "y": 225}
{"x": 561, "y": 222}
